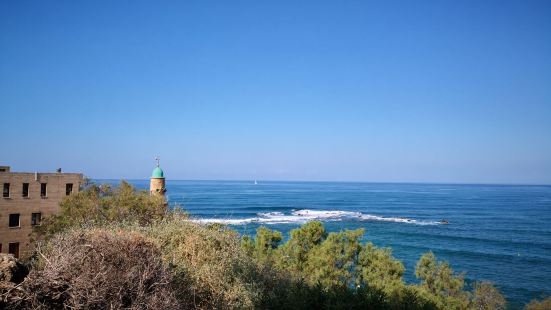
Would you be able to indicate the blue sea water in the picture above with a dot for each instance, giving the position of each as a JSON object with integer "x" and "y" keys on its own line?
{"x": 499, "y": 233}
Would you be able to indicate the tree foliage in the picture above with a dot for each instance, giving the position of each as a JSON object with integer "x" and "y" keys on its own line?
{"x": 487, "y": 297}
{"x": 438, "y": 279}
{"x": 335, "y": 270}
{"x": 263, "y": 246}
{"x": 544, "y": 304}
{"x": 210, "y": 269}
{"x": 294, "y": 253}
{"x": 379, "y": 269}
{"x": 332, "y": 262}
{"x": 102, "y": 204}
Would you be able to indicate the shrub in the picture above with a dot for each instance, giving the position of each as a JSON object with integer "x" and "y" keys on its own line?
{"x": 443, "y": 286}
{"x": 378, "y": 269}
{"x": 210, "y": 269}
{"x": 98, "y": 269}
{"x": 295, "y": 251}
{"x": 544, "y": 304}
{"x": 12, "y": 270}
{"x": 332, "y": 263}
{"x": 487, "y": 297}
{"x": 323, "y": 270}
{"x": 100, "y": 205}
{"x": 263, "y": 247}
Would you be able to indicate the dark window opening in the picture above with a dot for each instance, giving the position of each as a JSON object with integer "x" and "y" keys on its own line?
{"x": 68, "y": 189}
{"x": 25, "y": 192}
{"x": 43, "y": 189}
{"x": 14, "y": 220}
{"x": 13, "y": 248}
{"x": 6, "y": 190}
{"x": 36, "y": 218}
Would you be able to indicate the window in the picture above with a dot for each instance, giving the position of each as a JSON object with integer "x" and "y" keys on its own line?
{"x": 68, "y": 189}
{"x": 6, "y": 190}
{"x": 43, "y": 189}
{"x": 13, "y": 248}
{"x": 25, "y": 192}
{"x": 14, "y": 220}
{"x": 36, "y": 218}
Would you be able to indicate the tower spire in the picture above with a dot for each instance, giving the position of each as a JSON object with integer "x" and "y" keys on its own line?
{"x": 158, "y": 160}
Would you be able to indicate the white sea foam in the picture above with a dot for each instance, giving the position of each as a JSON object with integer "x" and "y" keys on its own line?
{"x": 303, "y": 216}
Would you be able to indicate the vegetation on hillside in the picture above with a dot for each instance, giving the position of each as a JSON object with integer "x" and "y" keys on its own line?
{"x": 339, "y": 262}
{"x": 539, "y": 304}
{"x": 103, "y": 204}
{"x": 96, "y": 268}
{"x": 119, "y": 248}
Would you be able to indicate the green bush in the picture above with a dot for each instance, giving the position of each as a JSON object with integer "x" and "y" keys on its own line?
{"x": 443, "y": 286}
{"x": 336, "y": 271}
{"x": 377, "y": 268}
{"x": 333, "y": 271}
{"x": 103, "y": 204}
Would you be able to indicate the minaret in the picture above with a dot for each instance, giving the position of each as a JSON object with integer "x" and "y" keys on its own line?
{"x": 157, "y": 184}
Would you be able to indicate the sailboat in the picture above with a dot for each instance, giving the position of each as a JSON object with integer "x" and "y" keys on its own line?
{"x": 255, "y": 183}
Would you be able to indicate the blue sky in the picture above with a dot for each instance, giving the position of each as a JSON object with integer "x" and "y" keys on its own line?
{"x": 389, "y": 91}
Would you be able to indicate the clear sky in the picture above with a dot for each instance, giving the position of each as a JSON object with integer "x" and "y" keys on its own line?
{"x": 391, "y": 91}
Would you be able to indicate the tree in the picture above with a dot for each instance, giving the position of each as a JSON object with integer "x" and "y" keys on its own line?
{"x": 377, "y": 268}
{"x": 539, "y": 305}
{"x": 264, "y": 246}
{"x": 487, "y": 297}
{"x": 103, "y": 204}
{"x": 294, "y": 253}
{"x": 440, "y": 282}
{"x": 335, "y": 270}
{"x": 333, "y": 262}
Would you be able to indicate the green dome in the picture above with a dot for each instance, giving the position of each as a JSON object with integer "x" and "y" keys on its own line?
{"x": 157, "y": 173}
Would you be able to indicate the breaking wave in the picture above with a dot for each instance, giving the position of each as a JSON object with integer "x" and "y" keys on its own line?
{"x": 303, "y": 216}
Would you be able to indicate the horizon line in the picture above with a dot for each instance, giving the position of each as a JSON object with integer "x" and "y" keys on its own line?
{"x": 328, "y": 181}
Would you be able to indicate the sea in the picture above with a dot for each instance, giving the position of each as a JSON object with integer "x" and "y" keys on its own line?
{"x": 496, "y": 233}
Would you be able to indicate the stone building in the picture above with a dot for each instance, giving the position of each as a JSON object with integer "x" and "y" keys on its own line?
{"x": 27, "y": 198}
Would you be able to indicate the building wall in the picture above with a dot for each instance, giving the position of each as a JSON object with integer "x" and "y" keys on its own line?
{"x": 17, "y": 204}
{"x": 156, "y": 186}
